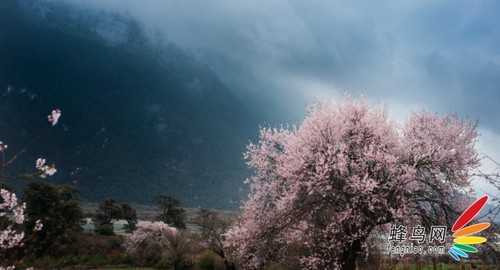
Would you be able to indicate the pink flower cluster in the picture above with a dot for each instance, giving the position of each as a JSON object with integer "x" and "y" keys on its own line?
{"x": 44, "y": 169}
{"x": 347, "y": 169}
{"x": 14, "y": 211}
{"x": 10, "y": 207}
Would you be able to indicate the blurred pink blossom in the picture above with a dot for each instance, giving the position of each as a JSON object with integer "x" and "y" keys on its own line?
{"x": 38, "y": 226}
{"x": 44, "y": 169}
{"x": 54, "y": 116}
{"x": 3, "y": 146}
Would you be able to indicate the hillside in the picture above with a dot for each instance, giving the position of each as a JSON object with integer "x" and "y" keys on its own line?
{"x": 140, "y": 118}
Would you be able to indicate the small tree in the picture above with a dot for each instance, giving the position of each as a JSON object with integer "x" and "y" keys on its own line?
{"x": 130, "y": 215}
{"x": 170, "y": 211}
{"x": 58, "y": 209}
{"x": 108, "y": 211}
{"x": 212, "y": 228}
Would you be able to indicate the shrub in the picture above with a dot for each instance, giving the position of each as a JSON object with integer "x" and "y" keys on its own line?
{"x": 105, "y": 229}
{"x": 89, "y": 251}
{"x": 275, "y": 266}
{"x": 209, "y": 261}
{"x": 179, "y": 252}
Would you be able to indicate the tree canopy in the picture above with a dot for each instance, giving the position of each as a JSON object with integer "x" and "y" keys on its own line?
{"x": 346, "y": 170}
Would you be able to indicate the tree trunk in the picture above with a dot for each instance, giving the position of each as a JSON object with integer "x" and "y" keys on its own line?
{"x": 350, "y": 255}
{"x": 229, "y": 265}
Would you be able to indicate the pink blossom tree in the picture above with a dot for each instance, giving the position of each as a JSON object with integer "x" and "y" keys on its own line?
{"x": 346, "y": 170}
{"x": 148, "y": 234}
{"x": 154, "y": 242}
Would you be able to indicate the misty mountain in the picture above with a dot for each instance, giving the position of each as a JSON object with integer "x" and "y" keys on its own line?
{"x": 140, "y": 116}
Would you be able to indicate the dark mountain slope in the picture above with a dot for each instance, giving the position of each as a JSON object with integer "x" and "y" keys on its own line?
{"x": 138, "y": 118}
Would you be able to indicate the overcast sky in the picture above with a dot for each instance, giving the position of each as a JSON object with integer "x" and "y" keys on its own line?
{"x": 442, "y": 56}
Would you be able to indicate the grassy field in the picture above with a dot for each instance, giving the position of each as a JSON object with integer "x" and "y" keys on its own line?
{"x": 438, "y": 266}
{"x": 126, "y": 268}
{"x": 397, "y": 267}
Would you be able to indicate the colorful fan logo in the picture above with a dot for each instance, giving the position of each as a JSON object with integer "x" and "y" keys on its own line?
{"x": 464, "y": 237}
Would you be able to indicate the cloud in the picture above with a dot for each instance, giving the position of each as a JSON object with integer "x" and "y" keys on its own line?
{"x": 442, "y": 54}
{"x": 439, "y": 55}
{"x": 488, "y": 145}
